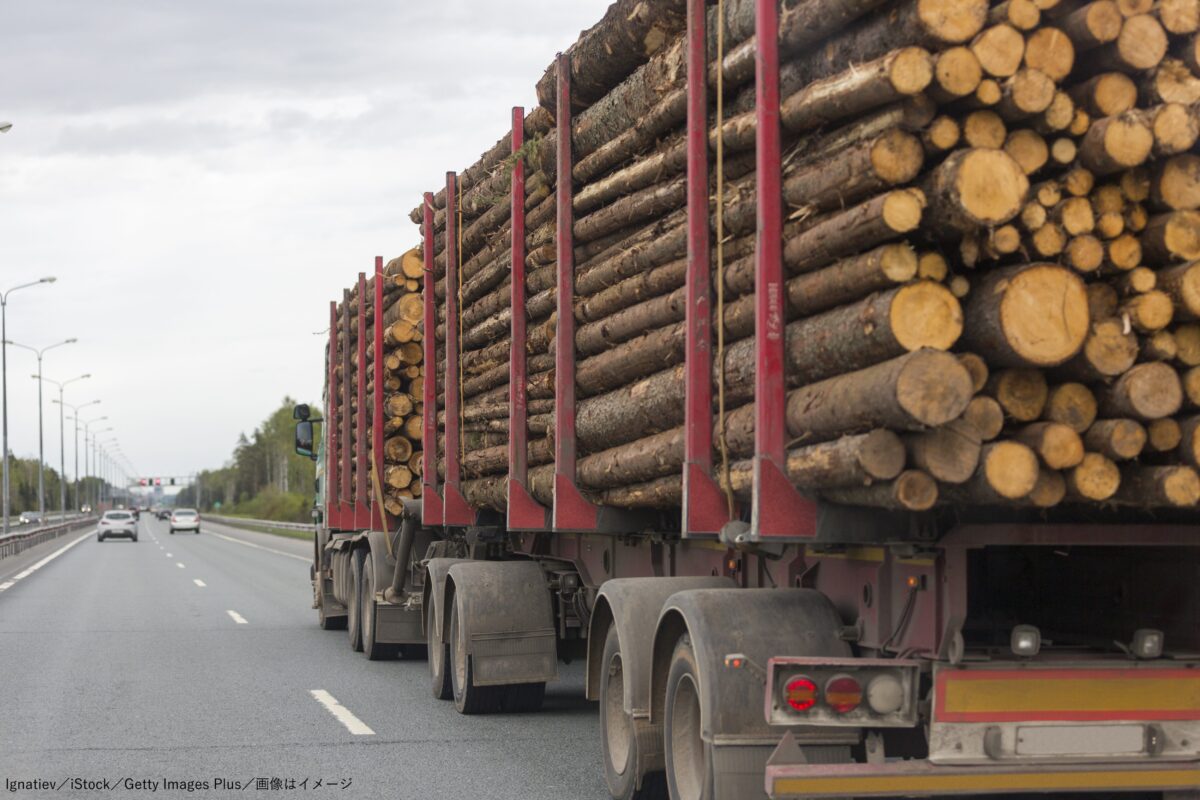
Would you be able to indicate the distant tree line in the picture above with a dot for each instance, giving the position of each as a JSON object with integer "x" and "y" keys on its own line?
{"x": 23, "y": 487}
{"x": 264, "y": 478}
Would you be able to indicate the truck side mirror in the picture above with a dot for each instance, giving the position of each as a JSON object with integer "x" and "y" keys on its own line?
{"x": 304, "y": 439}
{"x": 301, "y": 412}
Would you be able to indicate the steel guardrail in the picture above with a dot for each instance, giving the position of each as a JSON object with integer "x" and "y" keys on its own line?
{"x": 20, "y": 541}
{"x": 260, "y": 523}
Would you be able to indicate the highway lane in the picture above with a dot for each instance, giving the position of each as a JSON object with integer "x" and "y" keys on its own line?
{"x": 120, "y": 663}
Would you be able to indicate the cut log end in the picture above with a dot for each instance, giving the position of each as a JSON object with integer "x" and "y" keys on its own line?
{"x": 1044, "y": 314}
{"x": 1009, "y": 469}
{"x": 991, "y": 186}
{"x": 1096, "y": 478}
{"x": 925, "y": 314}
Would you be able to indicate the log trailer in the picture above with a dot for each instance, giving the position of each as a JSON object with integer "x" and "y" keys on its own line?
{"x": 768, "y": 627}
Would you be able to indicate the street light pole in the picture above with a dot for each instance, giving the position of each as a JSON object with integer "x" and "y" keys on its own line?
{"x": 4, "y": 377}
{"x": 86, "y": 469}
{"x": 41, "y": 436}
{"x": 62, "y": 442}
{"x": 97, "y": 492}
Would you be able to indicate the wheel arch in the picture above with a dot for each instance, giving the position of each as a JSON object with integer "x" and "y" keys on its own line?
{"x": 436, "y": 571}
{"x": 633, "y": 605}
{"x": 760, "y": 623}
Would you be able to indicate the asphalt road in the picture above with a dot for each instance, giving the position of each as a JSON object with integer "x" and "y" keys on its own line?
{"x": 198, "y": 658}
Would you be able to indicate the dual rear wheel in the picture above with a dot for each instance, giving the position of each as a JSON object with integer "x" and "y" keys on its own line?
{"x": 452, "y": 674}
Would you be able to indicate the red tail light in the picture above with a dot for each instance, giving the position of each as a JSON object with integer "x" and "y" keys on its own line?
{"x": 843, "y": 693}
{"x": 801, "y": 693}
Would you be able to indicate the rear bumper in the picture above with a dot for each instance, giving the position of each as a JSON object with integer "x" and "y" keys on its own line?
{"x": 116, "y": 532}
{"x": 921, "y": 778}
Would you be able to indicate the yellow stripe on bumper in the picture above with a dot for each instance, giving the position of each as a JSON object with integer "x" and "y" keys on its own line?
{"x": 930, "y": 782}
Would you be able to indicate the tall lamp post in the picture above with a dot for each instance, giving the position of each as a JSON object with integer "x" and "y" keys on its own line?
{"x": 86, "y": 463}
{"x": 41, "y": 435}
{"x": 102, "y": 467}
{"x": 62, "y": 441}
{"x": 98, "y": 491}
{"x": 75, "y": 448}
{"x": 4, "y": 375}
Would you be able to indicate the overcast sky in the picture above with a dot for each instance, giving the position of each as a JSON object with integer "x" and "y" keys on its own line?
{"x": 203, "y": 176}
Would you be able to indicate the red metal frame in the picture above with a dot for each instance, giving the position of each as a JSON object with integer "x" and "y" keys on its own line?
{"x": 571, "y": 511}
{"x": 377, "y": 397}
{"x": 345, "y": 506}
{"x": 332, "y": 478}
{"x": 455, "y": 508}
{"x": 777, "y": 510}
{"x": 362, "y": 513}
{"x": 704, "y": 506}
{"x": 431, "y": 501}
{"x": 524, "y": 513}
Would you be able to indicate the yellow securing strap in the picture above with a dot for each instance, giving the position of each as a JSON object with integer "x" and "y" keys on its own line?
{"x": 378, "y": 489}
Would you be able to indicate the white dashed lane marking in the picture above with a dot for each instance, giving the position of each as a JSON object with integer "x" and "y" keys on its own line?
{"x": 236, "y": 617}
{"x": 343, "y": 715}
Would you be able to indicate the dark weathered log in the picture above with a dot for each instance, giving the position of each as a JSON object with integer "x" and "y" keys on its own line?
{"x": 1021, "y": 393}
{"x": 631, "y": 32}
{"x": 1093, "y": 24}
{"x": 986, "y": 416}
{"x": 1071, "y": 404}
{"x": 1158, "y": 487}
{"x": 1146, "y": 392}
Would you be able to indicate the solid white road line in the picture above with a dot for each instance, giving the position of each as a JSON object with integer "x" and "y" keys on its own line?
{"x": 353, "y": 724}
{"x": 26, "y": 573}
{"x": 236, "y": 617}
{"x": 179, "y": 564}
{"x": 199, "y": 583}
{"x": 305, "y": 559}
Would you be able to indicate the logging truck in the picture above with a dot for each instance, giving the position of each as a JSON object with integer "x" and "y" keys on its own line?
{"x": 847, "y": 429}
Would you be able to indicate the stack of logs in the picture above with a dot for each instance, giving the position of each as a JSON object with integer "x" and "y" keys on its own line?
{"x": 403, "y": 376}
{"x": 992, "y": 226}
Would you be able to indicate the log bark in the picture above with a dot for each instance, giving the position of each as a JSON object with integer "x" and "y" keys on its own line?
{"x": 1146, "y": 392}
{"x": 1158, "y": 487}
{"x": 912, "y": 490}
{"x": 949, "y": 453}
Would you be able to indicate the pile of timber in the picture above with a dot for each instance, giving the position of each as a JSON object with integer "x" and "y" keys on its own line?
{"x": 403, "y": 378}
{"x": 992, "y": 226}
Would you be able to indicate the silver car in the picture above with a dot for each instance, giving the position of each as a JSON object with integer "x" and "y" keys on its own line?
{"x": 117, "y": 523}
{"x": 185, "y": 519}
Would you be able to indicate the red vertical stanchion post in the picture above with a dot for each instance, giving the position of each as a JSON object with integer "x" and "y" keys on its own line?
{"x": 431, "y": 499}
{"x": 777, "y": 509}
{"x": 704, "y": 507}
{"x": 377, "y": 397}
{"x": 571, "y": 511}
{"x": 362, "y": 515}
{"x": 332, "y": 478}
{"x": 455, "y": 508}
{"x": 523, "y": 511}
{"x": 346, "y": 447}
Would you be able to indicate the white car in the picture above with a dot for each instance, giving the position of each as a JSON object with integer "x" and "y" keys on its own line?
{"x": 116, "y": 523}
{"x": 29, "y": 517}
{"x": 185, "y": 519}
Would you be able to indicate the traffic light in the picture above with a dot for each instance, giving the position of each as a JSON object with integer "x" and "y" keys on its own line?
{"x": 142, "y": 481}
{"x": 158, "y": 481}
{"x": 172, "y": 481}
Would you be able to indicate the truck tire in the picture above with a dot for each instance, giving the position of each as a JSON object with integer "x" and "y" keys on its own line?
{"x": 439, "y": 657}
{"x": 99, "y": 538}
{"x": 373, "y": 650}
{"x": 689, "y": 757}
{"x": 618, "y": 740}
{"x": 413, "y": 652}
{"x": 327, "y": 622}
{"x": 354, "y": 601}
{"x": 468, "y": 698}
{"x": 524, "y": 698}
